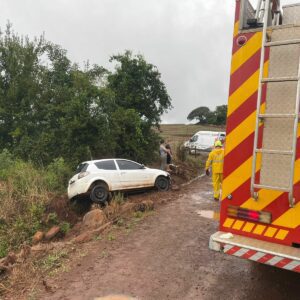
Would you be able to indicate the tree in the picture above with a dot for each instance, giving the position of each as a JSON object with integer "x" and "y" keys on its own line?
{"x": 202, "y": 114}
{"x": 51, "y": 108}
{"x": 137, "y": 85}
{"x": 205, "y": 116}
{"x": 221, "y": 114}
{"x": 141, "y": 98}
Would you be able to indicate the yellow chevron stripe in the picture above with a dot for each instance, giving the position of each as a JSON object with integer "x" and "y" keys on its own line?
{"x": 242, "y": 131}
{"x": 266, "y": 197}
{"x": 236, "y": 28}
{"x": 256, "y": 228}
{"x": 248, "y": 88}
{"x": 238, "y": 177}
{"x": 259, "y": 229}
{"x": 247, "y": 51}
{"x": 290, "y": 219}
{"x": 238, "y": 224}
{"x": 281, "y": 234}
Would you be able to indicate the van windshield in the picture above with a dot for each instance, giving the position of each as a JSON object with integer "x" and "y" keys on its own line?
{"x": 194, "y": 138}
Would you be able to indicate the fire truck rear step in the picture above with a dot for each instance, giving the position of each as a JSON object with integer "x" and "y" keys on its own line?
{"x": 279, "y": 120}
{"x": 281, "y": 256}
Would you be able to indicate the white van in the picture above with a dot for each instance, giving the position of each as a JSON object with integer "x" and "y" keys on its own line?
{"x": 204, "y": 140}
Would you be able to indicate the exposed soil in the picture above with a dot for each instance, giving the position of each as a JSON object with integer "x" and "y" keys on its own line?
{"x": 166, "y": 256}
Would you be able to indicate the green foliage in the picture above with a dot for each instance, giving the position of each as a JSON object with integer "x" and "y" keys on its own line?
{"x": 53, "y": 260}
{"x": 221, "y": 115}
{"x": 65, "y": 227}
{"x": 52, "y": 219}
{"x": 205, "y": 116}
{"x": 51, "y": 108}
{"x": 24, "y": 196}
{"x": 137, "y": 85}
{"x": 57, "y": 175}
{"x": 6, "y": 162}
{"x": 118, "y": 198}
{"x": 140, "y": 98}
{"x": 111, "y": 237}
{"x": 181, "y": 152}
{"x": 3, "y": 248}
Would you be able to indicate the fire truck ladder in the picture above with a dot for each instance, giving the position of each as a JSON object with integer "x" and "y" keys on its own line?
{"x": 281, "y": 113}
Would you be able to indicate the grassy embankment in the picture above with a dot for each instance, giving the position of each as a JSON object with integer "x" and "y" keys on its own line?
{"x": 26, "y": 195}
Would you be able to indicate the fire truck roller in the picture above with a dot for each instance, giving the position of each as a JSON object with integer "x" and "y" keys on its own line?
{"x": 260, "y": 207}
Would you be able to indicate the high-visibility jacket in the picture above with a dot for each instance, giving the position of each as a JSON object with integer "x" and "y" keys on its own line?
{"x": 215, "y": 160}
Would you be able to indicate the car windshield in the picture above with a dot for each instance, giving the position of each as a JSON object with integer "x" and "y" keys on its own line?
{"x": 81, "y": 168}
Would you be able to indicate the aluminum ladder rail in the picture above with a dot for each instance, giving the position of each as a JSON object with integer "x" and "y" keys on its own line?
{"x": 261, "y": 9}
{"x": 261, "y": 117}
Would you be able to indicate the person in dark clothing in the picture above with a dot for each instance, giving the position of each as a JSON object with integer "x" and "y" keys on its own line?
{"x": 169, "y": 156}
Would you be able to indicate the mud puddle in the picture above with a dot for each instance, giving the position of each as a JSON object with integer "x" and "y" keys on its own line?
{"x": 209, "y": 214}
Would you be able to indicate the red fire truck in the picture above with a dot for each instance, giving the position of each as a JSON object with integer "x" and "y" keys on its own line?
{"x": 260, "y": 207}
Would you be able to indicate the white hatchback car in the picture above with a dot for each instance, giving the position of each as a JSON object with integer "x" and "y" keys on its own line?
{"x": 97, "y": 178}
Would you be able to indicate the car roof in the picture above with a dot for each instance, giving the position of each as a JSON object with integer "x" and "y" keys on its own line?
{"x": 209, "y": 132}
{"x": 104, "y": 159}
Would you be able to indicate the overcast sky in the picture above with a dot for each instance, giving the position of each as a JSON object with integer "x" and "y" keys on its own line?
{"x": 189, "y": 41}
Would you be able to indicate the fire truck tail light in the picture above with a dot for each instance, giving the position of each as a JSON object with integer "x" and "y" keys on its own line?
{"x": 251, "y": 215}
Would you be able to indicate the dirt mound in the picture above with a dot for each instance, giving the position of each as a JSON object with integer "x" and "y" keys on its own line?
{"x": 65, "y": 210}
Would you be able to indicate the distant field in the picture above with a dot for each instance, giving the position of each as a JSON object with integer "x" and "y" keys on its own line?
{"x": 178, "y": 133}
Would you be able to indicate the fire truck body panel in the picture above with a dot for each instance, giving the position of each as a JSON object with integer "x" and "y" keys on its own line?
{"x": 266, "y": 229}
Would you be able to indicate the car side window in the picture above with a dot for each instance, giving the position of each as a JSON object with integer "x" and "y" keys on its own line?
{"x": 128, "y": 165}
{"x": 81, "y": 168}
{"x": 106, "y": 165}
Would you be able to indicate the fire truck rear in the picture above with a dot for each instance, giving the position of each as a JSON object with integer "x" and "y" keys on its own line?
{"x": 260, "y": 208}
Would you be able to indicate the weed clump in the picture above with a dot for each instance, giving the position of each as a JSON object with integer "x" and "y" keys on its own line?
{"x": 25, "y": 192}
{"x": 181, "y": 152}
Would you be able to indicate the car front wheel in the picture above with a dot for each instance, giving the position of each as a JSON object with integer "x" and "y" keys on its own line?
{"x": 162, "y": 183}
{"x": 99, "y": 193}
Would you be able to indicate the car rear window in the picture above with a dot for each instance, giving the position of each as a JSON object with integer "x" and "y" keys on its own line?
{"x": 82, "y": 168}
{"x": 128, "y": 165}
{"x": 106, "y": 165}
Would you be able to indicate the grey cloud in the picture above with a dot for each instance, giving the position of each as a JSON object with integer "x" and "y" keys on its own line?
{"x": 189, "y": 41}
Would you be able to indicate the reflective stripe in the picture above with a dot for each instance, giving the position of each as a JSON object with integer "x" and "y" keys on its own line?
{"x": 241, "y": 252}
{"x": 273, "y": 261}
{"x": 292, "y": 265}
{"x": 257, "y": 256}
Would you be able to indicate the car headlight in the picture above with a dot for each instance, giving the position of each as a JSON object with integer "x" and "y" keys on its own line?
{"x": 83, "y": 174}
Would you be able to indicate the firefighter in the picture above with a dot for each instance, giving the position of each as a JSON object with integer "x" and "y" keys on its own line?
{"x": 215, "y": 161}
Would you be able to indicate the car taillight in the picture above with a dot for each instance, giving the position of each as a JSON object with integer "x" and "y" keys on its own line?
{"x": 251, "y": 215}
{"x": 83, "y": 174}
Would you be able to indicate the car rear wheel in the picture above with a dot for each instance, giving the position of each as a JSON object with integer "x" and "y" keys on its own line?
{"x": 99, "y": 193}
{"x": 162, "y": 183}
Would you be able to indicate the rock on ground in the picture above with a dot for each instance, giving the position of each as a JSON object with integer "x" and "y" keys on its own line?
{"x": 52, "y": 233}
{"x": 94, "y": 219}
{"x": 38, "y": 237}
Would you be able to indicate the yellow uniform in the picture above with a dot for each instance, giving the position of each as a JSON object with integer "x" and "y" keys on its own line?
{"x": 216, "y": 161}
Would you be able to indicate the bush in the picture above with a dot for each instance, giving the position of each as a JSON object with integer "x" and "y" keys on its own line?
{"x": 58, "y": 174}
{"x": 24, "y": 195}
{"x": 181, "y": 152}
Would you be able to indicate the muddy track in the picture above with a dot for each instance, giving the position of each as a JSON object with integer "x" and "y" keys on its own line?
{"x": 167, "y": 257}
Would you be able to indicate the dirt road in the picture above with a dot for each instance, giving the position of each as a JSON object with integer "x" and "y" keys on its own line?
{"x": 167, "y": 257}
